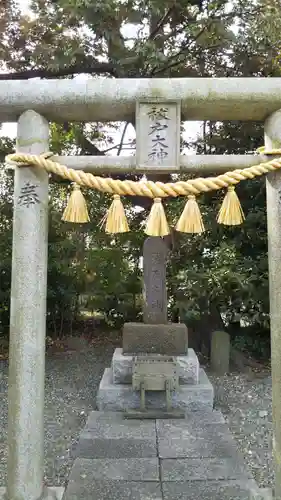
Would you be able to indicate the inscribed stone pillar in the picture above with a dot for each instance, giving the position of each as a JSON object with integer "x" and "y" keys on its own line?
{"x": 273, "y": 192}
{"x": 220, "y": 352}
{"x": 28, "y": 316}
{"x": 155, "y": 253}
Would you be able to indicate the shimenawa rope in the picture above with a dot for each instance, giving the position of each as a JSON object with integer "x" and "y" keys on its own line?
{"x": 190, "y": 221}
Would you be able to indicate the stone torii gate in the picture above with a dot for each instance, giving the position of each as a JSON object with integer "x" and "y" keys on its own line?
{"x": 33, "y": 104}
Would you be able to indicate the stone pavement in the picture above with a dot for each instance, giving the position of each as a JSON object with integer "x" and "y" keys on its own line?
{"x": 191, "y": 459}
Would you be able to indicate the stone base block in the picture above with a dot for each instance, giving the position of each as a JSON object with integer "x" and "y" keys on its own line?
{"x": 169, "y": 339}
{"x": 118, "y": 397}
{"x": 122, "y": 367}
{"x": 49, "y": 493}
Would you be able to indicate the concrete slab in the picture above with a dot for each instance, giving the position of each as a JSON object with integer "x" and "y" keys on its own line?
{"x": 207, "y": 490}
{"x": 81, "y": 489}
{"x": 118, "y": 397}
{"x": 202, "y": 469}
{"x": 197, "y": 442}
{"x": 110, "y": 436}
{"x": 198, "y": 418}
{"x": 188, "y": 367}
{"x": 113, "y": 425}
{"x": 122, "y": 469}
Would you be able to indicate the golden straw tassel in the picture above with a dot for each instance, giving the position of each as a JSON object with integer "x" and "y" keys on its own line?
{"x": 231, "y": 213}
{"x": 115, "y": 220}
{"x": 191, "y": 220}
{"x": 156, "y": 224}
{"x": 76, "y": 209}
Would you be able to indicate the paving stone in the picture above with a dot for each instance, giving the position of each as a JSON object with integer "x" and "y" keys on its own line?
{"x": 113, "y": 425}
{"x": 110, "y": 436}
{"x": 122, "y": 469}
{"x": 188, "y": 367}
{"x": 112, "y": 490}
{"x": 203, "y": 468}
{"x": 208, "y": 490}
{"x": 119, "y": 397}
{"x": 208, "y": 416}
{"x": 196, "y": 442}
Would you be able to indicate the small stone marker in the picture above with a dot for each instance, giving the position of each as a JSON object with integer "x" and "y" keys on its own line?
{"x": 155, "y": 253}
{"x": 220, "y": 352}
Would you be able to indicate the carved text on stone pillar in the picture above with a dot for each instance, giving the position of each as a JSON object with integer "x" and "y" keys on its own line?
{"x": 28, "y": 195}
{"x": 154, "y": 271}
{"x": 158, "y": 140}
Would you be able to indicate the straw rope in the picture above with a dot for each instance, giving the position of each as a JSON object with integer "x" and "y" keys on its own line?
{"x": 145, "y": 187}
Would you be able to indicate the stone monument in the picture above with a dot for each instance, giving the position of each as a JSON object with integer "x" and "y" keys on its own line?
{"x": 155, "y": 336}
{"x": 135, "y": 379}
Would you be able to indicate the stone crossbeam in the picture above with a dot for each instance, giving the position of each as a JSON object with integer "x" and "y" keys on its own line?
{"x": 108, "y": 99}
{"x": 190, "y": 163}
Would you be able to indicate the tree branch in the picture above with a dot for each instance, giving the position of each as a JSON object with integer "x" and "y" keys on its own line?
{"x": 161, "y": 23}
{"x": 122, "y": 139}
{"x": 95, "y": 67}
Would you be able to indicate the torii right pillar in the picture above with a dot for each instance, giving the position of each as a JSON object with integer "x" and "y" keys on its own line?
{"x": 273, "y": 193}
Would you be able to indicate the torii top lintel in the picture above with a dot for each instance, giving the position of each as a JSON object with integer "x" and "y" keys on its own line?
{"x": 108, "y": 99}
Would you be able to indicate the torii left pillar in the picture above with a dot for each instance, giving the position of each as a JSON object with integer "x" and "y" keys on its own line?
{"x": 28, "y": 317}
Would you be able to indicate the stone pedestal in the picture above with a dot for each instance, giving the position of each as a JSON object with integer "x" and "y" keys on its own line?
{"x": 116, "y": 392}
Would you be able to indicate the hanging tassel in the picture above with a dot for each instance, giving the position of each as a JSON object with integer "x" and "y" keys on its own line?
{"x": 231, "y": 213}
{"x": 190, "y": 220}
{"x": 115, "y": 220}
{"x": 76, "y": 209}
{"x": 156, "y": 224}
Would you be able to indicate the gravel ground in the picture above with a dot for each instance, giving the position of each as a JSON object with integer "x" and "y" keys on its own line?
{"x": 245, "y": 401}
{"x": 71, "y": 385}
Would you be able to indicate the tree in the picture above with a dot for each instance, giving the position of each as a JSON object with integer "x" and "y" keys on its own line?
{"x": 116, "y": 39}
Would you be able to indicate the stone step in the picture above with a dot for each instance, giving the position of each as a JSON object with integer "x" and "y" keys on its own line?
{"x": 139, "y": 479}
{"x": 208, "y": 490}
{"x": 122, "y": 367}
{"x": 189, "y": 459}
{"x": 120, "y": 397}
{"x": 109, "y": 435}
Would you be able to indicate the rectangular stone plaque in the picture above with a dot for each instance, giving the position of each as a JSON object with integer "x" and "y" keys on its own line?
{"x": 155, "y": 253}
{"x": 170, "y": 339}
{"x": 158, "y": 134}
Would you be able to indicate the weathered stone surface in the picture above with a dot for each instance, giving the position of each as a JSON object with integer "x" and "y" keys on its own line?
{"x": 28, "y": 315}
{"x": 49, "y": 493}
{"x": 170, "y": 339}
{"x": 118, "y": 397}
{"x": 262, "y": 494}
{"x": 111, "y": 424}
{"x": 207, "y": 490}
{"x": 110, "y": 436}
{"x": 207, "y": 416}
{"x": 197, "y": 442}
{"x": 194, "y": 469}
{"x": 220, "y": 352}
{"x": 80, "y": 489}
{"x": 188, "y": 367}
{"x": 155, "y": 253}
{"x": 272, "y": 138}
{"x": 158, "y": 133}
{"x": 121, "y": 469}
{"x": 99, "y": 99}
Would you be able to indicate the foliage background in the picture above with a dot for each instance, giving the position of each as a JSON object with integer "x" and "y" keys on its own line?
{"x": 218, "y": 280}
